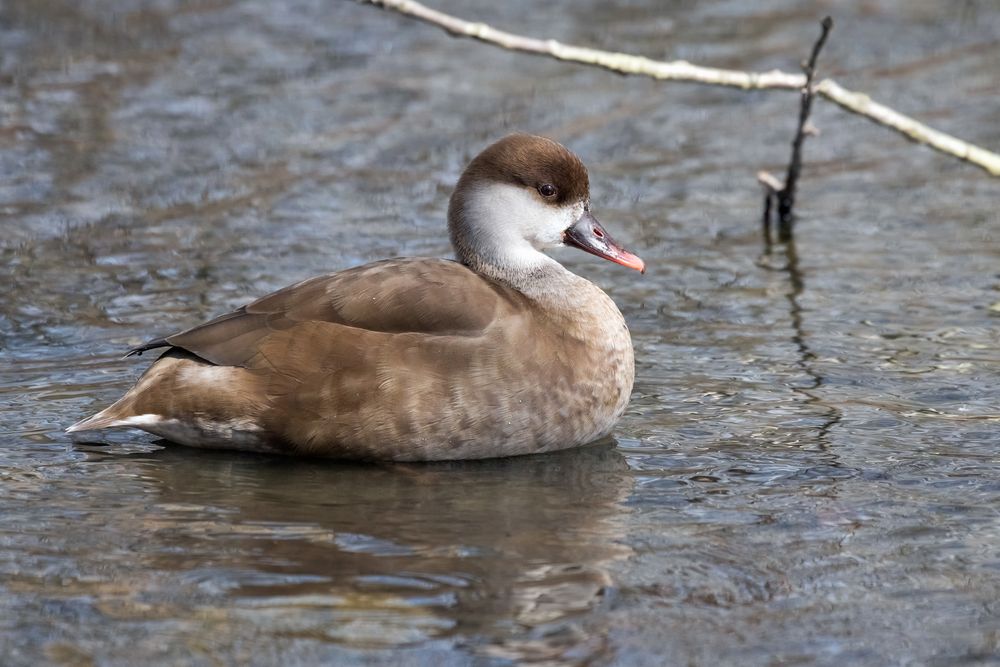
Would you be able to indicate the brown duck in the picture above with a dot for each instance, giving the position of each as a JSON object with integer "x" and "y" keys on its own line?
{"x": 502, "y": 352}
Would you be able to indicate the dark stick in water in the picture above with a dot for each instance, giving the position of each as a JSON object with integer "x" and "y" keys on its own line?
{"x": 785, "y": 195}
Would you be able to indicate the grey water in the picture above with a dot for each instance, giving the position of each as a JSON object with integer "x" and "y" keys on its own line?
{"x": 807, "y": 474}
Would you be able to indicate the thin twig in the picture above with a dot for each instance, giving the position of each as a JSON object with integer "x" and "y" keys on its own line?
{"x": 680, "y": 70}
{"x": 786, "y": 195}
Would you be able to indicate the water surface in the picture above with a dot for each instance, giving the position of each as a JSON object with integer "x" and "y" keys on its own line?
{"x": 807, "y": 473}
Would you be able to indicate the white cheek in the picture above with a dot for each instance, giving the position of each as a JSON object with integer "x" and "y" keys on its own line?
{"x": 516, "y": 215}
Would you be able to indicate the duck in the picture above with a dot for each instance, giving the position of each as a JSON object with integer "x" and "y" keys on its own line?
{"x": 500, "y": 352}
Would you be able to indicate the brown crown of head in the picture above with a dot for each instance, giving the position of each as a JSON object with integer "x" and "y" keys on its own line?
{"x": 531, "y": 161}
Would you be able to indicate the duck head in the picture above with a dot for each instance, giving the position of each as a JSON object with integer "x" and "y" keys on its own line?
{"x": 518, "y": 197}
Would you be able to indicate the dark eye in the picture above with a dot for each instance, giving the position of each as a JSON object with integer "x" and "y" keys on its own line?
{"x": 547, "y": 190}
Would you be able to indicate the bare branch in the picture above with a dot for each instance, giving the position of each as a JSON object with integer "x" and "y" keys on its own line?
{"x": 786, "y": 196}
{"x": 680, "y": 70}
{"x": 863, "y": 105}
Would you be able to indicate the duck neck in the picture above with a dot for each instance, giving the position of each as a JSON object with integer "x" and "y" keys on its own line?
{"x": 543, "y": 279}
{"x": 555, "y": 289}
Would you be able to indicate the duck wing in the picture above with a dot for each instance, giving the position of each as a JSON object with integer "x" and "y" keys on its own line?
{"x": 426, "y": 296}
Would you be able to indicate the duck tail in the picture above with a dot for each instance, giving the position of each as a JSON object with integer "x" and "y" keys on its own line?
{"x": 113, "y": 415}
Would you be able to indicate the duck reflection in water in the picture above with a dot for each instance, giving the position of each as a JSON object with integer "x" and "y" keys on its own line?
{"x": 506, "y": 558}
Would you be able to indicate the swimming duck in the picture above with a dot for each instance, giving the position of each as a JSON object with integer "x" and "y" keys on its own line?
{"x": 500, "y": 353}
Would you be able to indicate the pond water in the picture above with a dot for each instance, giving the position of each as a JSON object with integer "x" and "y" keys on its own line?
{"x": 808, "y": 470}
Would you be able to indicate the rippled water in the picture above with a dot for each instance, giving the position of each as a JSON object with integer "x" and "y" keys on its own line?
{"x": 807, "y": 474}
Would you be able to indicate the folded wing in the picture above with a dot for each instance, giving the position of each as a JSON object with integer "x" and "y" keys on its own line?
{"x": 434, "y": 297}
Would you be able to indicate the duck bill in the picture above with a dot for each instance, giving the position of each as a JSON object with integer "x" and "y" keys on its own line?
{"x": 588, "y": 234}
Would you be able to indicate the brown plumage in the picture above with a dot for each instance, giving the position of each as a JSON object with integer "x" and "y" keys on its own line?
{"x": 502, "y": 353}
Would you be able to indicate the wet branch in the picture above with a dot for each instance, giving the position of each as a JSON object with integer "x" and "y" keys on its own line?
{"x": 784, "y": 194}
{"x": 679, "y": 70}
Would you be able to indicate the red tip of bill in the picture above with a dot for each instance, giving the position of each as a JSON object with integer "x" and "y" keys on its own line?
{"x": 631, "y": 261}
